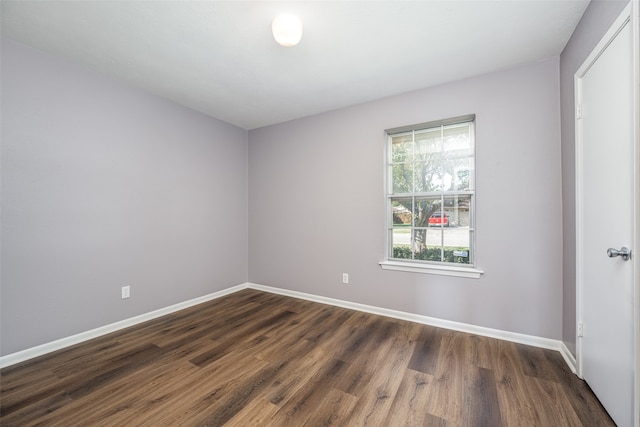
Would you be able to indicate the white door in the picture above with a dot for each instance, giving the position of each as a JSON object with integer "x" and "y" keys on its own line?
{"x": 606, "y": 209}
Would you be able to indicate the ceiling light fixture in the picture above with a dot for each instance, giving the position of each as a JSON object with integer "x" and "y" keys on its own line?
{"x": 287, "y": 30}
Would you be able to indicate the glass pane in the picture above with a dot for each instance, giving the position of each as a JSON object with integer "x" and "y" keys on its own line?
{"x": 401, "y": 212}
{"x": 428, "y": 177}
{"x": 458, "y": 175}
{"x": 402, "y": 148}
{"x": 402, "y": 178}
{"x": 425, "y": 211}
{"x": 457, "y": 141}
{"x": 458, "y": 210}
{"x": 400, "y": 239}
{"x": 428, "y": 244}
{"x": 457, "y": 245}
{"x": 428, "y": 144}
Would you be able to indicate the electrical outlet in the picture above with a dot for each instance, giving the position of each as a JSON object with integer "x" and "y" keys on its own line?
{"x": 126, "y": 292}
{"x": 345, "y": 278}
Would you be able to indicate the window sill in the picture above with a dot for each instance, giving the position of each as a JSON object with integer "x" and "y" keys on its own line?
{"x": 442, "y": 270}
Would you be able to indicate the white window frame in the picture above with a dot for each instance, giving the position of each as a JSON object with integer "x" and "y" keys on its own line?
{"x": 419, "y": 266}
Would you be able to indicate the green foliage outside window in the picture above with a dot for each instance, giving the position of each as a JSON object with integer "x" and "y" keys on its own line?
{"x": 432, "y": 254}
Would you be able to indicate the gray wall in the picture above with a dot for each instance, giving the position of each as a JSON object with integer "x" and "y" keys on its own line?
{"x": 317, "y": 203}
{"x": 105, "y": 186}
{"x": 595, "y": 22}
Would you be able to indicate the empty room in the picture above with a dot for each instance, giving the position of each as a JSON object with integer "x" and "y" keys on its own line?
{"x": 320, "y": 213}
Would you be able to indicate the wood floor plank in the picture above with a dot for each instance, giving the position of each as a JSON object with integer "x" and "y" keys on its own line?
{"x": 171, "y": 395}
{"x": 201, "y": 393}
{"x": 552, "y": 407}
{"x": 376, "y": 399}
{"x": 121, "y": 395}
{"x": 426, "y": 352}
{"x": 535, "y": 364}
{"x": 288, "y": 384}
{"x": 134, "y": 401}
{"x": 409, "y": 407}
{"x": 244, "y": 392}
{"x": 300, "y": 406}
{"x": 585, "y": 404}
{"x": 333, "y": 409}
{"x": 343, "y": 338}
{"x": 433, "y": 421}
{"x": 258, "y": 359}
{"x": 254, "y": 386}
{"x": 446, "y": 395}
{"x": 15, "y": 389}
{"x": 369, "y": 358}
{"x": 482, "y": 407}
{"x": 30, "y": 414}
{"x": 257, "y": 414}
{"x": 483, "y": 351}
{"x": 515, "y": 401}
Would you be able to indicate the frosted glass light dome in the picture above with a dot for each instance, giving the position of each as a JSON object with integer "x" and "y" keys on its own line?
{"x": 287, "y": 30}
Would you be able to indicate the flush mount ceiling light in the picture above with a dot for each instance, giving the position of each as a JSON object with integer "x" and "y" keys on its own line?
{"x": 287, "y": 30}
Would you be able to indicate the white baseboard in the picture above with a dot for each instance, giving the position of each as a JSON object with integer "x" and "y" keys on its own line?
{"x": 40, "y": 350}
{"x": 535, "y": 341}
{"x": 21, "y": 356}
{"x": 569, "y": 358}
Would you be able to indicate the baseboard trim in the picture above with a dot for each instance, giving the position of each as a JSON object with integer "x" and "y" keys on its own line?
{"x": 535, "y": 341}
{"x": 551, "y": 344}
{"x": 569, "y": 358}
{"x": 24, "y": 355}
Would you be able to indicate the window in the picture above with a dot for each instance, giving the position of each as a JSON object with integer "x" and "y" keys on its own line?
{"x": 430, "y": 197}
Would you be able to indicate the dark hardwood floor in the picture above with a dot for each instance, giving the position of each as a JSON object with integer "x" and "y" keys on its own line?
{"x": 259, "y": 359}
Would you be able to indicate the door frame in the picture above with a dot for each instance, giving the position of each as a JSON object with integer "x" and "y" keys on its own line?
{"x": 631, "y": 13}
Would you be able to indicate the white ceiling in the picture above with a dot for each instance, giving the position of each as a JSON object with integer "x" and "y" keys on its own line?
{"x": 219, "y": 57}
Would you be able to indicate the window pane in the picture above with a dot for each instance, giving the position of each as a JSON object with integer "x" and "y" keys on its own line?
{"x": 401, "y": 211}
{"x": 428, "y": 144}
{"x": 425, "y": 208}
{"x": 457, "y": 175}
{"x": 402, "y": 148}
{"x": 431, "y": 250}
{"x": 458, "y": 210}
{"x": 457, "y": 141}
{"x": 456, "y": 244}
{"x": 400, "y": 239}
{"x": 428, "y": 177}
{"x": 457, "y": 238}
{"x": 402, "y": 178}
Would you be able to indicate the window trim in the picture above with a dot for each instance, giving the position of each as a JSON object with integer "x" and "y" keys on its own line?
{"x": 414, "y": 266}
{"x": 435, "y": 123}
{"x": 439, "y": 269}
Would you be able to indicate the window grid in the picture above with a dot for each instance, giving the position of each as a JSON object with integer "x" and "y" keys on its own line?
{"x": 420, "y": 234}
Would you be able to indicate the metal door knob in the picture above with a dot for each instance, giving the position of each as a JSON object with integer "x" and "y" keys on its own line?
{"x": 625, "y": 253}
